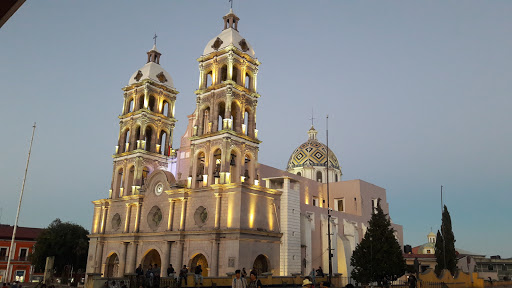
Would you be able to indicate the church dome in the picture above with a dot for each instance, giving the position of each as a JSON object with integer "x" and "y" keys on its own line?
{"x": 229, "y": 36}
{"x": 312, "y": 153}
{"x": 152, "y": 71}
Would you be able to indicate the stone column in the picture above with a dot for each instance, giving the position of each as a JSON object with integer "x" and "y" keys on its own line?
{"x": 201, "y": 76}
{"x": 127, "y": 218}
{"x": 230, "y": 65}
{"x": 131, "y": 258}
{"x": 171, "y": 214}
{"x": 165, "y": 258}
{"x": 183, "y": 213}
{"x": 99, "y": 256}
{"x": 217, "y": 210}
{"x": 122, "y": 260}
{"x": 146, "y": 96}
{"x": 179, "y": 254}
{"x": 137, "y": 217}
{"x": 255, "y": 80}
{"x": 214, "y": 266}
{"x": 104, "y": 219}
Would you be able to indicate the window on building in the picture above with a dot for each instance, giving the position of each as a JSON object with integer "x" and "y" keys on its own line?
{"x": 315, "y": 201}
{"x": 504, "y": 267}
{"x": 23, "y": 254}
{"x": 3, "y": 254}
{"x": 339, "y": 204}
{"x": 490, "y": 268}
{"x": 319, "y": 176}
{"x": 374, "y": 205}
{"x": 429, "y": 251}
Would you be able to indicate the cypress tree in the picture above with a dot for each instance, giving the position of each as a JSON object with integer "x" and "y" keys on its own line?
{"x": 446, "y": 255}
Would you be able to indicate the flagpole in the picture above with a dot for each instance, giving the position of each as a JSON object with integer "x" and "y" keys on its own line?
{"x": 8, "y": 274}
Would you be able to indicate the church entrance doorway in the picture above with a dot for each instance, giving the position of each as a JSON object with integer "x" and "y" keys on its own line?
{"x": 199, "y": 259}
{"x": 112, "y": 265}
{"x": 150, "y": 259}
{"x": 261, "y": 264}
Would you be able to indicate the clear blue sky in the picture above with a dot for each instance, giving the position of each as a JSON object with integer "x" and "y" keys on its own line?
{"x": 418, "y": 95}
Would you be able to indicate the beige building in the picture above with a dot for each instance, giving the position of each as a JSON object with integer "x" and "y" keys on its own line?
{"x": 211, "y": 202}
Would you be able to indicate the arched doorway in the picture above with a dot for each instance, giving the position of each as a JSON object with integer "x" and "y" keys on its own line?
{"x": 199, "y": 259}
{"x": 261, "y": 264}
{"x": 150, "y": 259}
{"x": 112, "y": 265}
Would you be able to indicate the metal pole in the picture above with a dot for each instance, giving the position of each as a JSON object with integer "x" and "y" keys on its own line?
{"x": 442, "y": 228}
{"x": 328, "y": 206}
{"x": 19, "y": 206}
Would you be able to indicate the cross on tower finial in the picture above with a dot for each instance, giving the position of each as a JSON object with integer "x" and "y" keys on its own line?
{"x": 312, "y": 118}
{"x": 154, "y": 38}
{"x": 231, "y": 1}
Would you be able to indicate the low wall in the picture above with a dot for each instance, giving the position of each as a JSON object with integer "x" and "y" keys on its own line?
{"x": 429, "y": 279}
{"x": 96, "y": 281}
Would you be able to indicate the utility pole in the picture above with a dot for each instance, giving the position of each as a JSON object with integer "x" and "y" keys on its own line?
{"x": 11, "y": 253}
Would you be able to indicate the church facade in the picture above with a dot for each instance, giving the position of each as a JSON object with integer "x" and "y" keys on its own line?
{"x": 210, "y": 202}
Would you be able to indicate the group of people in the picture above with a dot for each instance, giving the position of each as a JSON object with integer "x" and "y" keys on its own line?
{"x": 114, "y": 284}
{"x": 240, "y": 282}
{"x": 15, "y": 284}
{"x": 151, "y": 277}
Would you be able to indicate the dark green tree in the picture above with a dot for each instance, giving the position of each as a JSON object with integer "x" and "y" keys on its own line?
{"x": 379, "y": 256}
{"x": 66, "y": 241}
{"x": 446, "y": 255}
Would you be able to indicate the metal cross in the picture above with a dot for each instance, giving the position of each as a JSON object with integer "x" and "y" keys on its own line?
{"x": 312, "y": 118}
{"x": 231, "y": 1}
{"x": 155, "y": 38}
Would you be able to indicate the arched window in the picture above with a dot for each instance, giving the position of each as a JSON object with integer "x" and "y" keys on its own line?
{"x": 120, "y": 182}
{"x": 221, "y": 110}
{"x": 209, "y": 79}
{"x": 200, "y": 166}
{"x": 233, "y": 168}
{"x": 336, "y": 177}
{"x": 163, "y": 148}
{"x": 235, "y": 76}
{"x": 235, "y": 117}
{"x": 247, "y": 168}
{"x": 145, "y": 174}
{"x": 245, "y": 128}
{"x": 141, "y": 102}
{"x": 319, "y": 176}
{"x": 165, "y": 110}
{"x": 152, "y": 103}
{"x": 217, "y": 160}
{"x": 206, "y": 120}
{"x": 129, "y": 183}
{"x": 247, "y": 81}
{"x": 224, "y": 73}
{"x": 126, "y": 140}
{"x": 149, "y": 139}
{"x": 136, "y": 136}
{"x": 130, "y": 106}
{"x": 299, "y": 174}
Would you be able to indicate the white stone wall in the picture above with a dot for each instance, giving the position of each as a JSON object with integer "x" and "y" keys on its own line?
{"x": 290, "y": 227}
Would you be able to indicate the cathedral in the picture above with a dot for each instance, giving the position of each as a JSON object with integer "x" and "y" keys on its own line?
{"x": 210, "y": 202}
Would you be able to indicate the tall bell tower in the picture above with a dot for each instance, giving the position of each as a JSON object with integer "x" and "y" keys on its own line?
{"x": 145, "y": 127}
{"x": 224, "y": 143}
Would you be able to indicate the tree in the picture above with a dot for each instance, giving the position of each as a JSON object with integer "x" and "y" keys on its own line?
{"x": 378, "y": 258}
{"x": 446, "y": 256}
{"x": 66, "y": 241}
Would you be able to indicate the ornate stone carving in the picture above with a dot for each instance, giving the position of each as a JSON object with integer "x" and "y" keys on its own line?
{"x": 161, "y": 77}
{"x": 138, "y": 76}
{"x": 243, "y": 45}
{"x": 217, "y": 43}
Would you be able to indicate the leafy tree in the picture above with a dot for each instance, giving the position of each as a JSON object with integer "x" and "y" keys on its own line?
{"x": 378, "y": 258}
{"x": 446, "y": 256}
{"x": 66, "y": 241}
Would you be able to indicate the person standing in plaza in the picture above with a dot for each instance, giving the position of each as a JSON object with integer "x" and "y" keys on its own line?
{"x": 238, "y": 281}
{"x": 198, "y": 277}
{"x": 254, "y": 282}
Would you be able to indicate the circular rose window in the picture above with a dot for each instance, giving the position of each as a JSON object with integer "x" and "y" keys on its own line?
{"x": 154, "y": 217}
{"x": 200, "y": 216}
{"x": 116, "y": 222}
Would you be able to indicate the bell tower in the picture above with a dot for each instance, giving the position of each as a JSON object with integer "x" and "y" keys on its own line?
{"x": 224, "y": 144}
{"x": 146, "y": 127}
